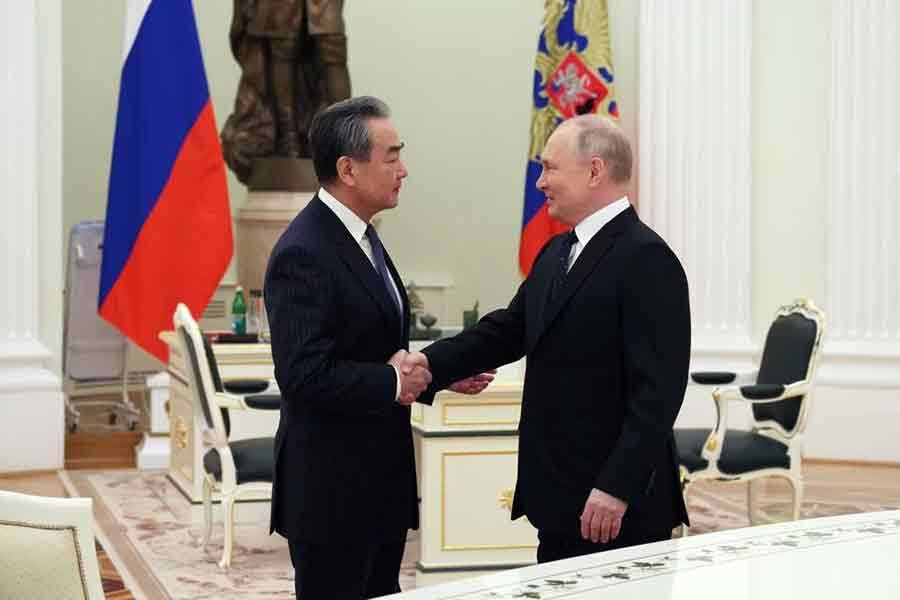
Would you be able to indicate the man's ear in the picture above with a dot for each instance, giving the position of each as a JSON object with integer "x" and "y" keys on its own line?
{"x": 345, "y": 171}
{"x": 598, "y": 171}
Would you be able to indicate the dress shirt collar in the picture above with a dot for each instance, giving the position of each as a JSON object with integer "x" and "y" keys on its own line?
{"x": 590, "y": 225}
{"x": 355, "y": 225}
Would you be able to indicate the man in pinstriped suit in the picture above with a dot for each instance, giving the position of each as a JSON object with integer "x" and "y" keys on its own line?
{"x": 345, "y": 486}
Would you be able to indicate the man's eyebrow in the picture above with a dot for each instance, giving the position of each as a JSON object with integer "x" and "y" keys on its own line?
{"x": 396, "y": 148}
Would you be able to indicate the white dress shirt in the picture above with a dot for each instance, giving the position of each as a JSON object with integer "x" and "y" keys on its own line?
{"x": 590, "y": 225}
{"x": 357, "y": 229}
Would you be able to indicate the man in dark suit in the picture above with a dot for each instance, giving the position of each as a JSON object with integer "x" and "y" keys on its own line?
{"x": 344, "y": 492}
{"x": 604, "y": 320}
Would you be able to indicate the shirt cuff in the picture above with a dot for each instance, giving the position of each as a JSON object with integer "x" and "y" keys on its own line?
{"x": 397, "y": 395}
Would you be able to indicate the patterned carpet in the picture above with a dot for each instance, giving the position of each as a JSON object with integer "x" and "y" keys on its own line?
{"x": 150, "y": 521}
{"x": 113, "y": 586}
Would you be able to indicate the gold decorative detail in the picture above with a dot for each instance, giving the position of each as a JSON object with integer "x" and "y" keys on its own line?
{"x": 181, "y": 433}
{"x": 506, "y": 499}
{"x": 712, "y": 444}
{"x": 683, "y": 476}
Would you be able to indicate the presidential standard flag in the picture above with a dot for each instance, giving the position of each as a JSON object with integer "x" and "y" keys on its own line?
{"x": 167, "y": 237}
{"x": 572, "y": 76}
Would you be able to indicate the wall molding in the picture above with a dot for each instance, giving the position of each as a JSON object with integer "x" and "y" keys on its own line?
{"x": 864, "y": 204}
{"x": 695, "y": 174}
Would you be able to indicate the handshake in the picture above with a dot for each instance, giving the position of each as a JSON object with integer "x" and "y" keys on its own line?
{"x": 415, "y": 377}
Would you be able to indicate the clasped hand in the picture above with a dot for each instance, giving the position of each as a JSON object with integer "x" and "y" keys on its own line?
{"x": 415, "y": 377}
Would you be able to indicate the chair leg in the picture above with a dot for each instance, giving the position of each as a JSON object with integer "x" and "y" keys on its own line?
{"x": 751, "y": 503}
{"x": 228, "y": 520}
{"x": 797, "y": 487}
{"x": 684, "y": 530}
{"x": 207, "y": 510}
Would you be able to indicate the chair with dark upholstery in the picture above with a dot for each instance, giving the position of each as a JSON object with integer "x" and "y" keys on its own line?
{"x": 234, "y": 468}
{"x": 779, "y": 399}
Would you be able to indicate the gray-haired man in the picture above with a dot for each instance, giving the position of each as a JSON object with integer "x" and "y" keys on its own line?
{"x": 345, "y": 486}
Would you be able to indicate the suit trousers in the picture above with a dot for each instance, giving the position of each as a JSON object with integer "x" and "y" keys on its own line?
{"x": 346, "y": 571}
{"x": 557, "y": 546}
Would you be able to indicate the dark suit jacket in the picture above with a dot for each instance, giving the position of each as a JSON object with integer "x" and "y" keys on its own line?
{"x": 344, "y": 462}
{"x": 606, "y": 373}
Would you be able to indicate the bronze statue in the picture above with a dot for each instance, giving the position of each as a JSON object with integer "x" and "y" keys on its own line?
{"x": 293, "y": 58}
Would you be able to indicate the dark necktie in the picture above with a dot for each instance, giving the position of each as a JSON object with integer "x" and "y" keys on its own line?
{"x": 562, "y": 267}
{"x": 381, "y": 266}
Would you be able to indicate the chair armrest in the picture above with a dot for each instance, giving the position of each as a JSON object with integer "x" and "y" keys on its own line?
{"x": 263, "y": 401}
{"x": 713, "y": 377}
{"x": 245, "y": 386}
{"x": 712, "y": 449}
{"x": 762, "y": 393}
{"x": 724, "y": 377}
{"x": 226, "y": 400}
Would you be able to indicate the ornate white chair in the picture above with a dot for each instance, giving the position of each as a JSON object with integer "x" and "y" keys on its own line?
{"x": 779, "y": 400}
{"x": 232, "y": 468}
{"x": 47, "y": 548}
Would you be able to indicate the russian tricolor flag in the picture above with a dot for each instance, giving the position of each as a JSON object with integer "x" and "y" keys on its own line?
{"x": 168, "y": 223}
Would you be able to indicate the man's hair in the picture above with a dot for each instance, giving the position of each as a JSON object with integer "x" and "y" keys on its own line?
{"x": 341, "y": 130}
{"x": 600, "y": 136}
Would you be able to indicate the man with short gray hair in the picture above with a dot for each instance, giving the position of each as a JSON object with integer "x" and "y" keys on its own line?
{"x": 604, "y": 320}
{"x": 344, "y": 490}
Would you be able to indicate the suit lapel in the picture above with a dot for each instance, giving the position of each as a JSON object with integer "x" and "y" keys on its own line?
{"x": 587, "y": 261}
{"x": 542, "y": 273}
{"x": 357, "y": 261}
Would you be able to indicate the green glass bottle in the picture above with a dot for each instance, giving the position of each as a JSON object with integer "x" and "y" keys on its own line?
{"x": 239, "y": 312}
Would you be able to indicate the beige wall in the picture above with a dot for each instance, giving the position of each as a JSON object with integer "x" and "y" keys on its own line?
{"x": 458, "y": 76}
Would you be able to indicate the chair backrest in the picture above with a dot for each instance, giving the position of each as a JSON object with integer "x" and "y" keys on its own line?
{"x": 216, "y": 379}
{"x": 47, "y": 548}
{"x": 790, "y": 354}
{"x": 199, "y": 376}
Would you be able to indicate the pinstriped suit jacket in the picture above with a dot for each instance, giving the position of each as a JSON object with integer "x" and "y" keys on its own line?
{"x": 344, "y": 463}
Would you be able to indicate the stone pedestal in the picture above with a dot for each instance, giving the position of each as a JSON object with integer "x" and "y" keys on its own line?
{"x": 278, "y": 189}
{"x": 260, "y": 222}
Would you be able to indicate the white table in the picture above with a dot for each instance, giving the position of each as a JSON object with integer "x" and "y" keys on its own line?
{"x": 852, "y": 556}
